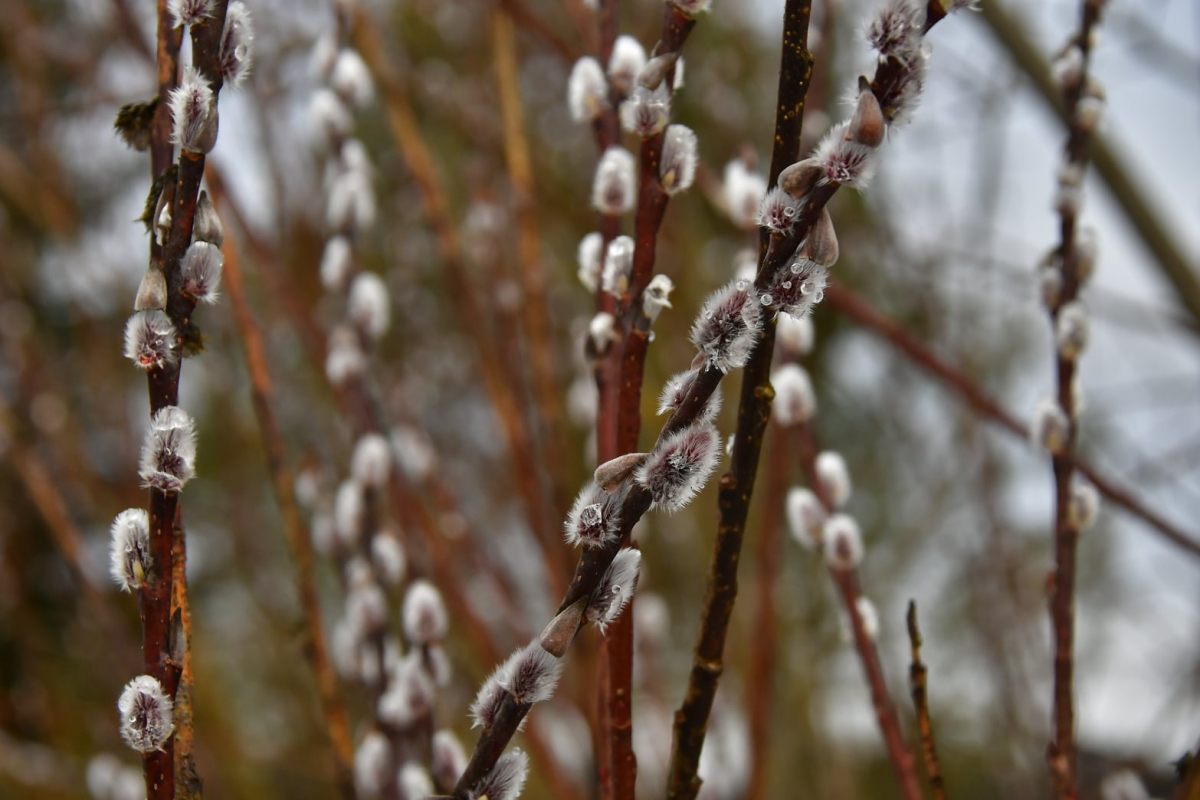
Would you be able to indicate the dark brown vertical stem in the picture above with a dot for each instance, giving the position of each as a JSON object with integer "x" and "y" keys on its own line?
{"x": 917, "y": 684}
{"x": 754, "y": 411}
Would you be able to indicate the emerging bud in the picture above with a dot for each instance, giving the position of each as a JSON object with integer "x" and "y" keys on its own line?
{"x": 795, "y": 400}
{"x": 798, "y": 288}
{"x": 726, "y": 330}
{"x": 351, "y": 79}
{"x": 743, "y": 192}
{"x": 424, "y": 614}
{"x": 369, "y": 306}
{"x": 615, "y": 589}
{"x": 794, "y": 336}
{"x": 867, "y": 126}
{"x": 1067, "y": 69}
{"x": 627, "y": 60}
{"x": 895, "y": 30}
{"x": 692, "y": 8}
{"x": 152, "y": 291}
{"x": 1050, "y": 428}
{"x": 192, "y": 112}
{"x": 201, "y": 271}
{"x": 129, "y": 550}
{"x": 531, "y": 674}
{"x": 657, "y": 69}
{"x": 207, "y": 225}
{"x": 1071, "y": 330}
{"x": 507, "y": 778}
{"x": 647, "y": 111}
{"x": 806, "y": 517}
{"x": 169, "y": 451}
{"x": 843, "y": 542}
{"x": 821, "y": 246}
{"x": 677, "y": 168}
{"x": 410, "y": 694}
{"x": 868, "y": 616}
{"x": 655, "y": 297}
{"x": 351, "y": 205}
{"x": 675, "y": 392}
{"x": 344, "y": 360}
{"x": 602, "y": 332}
{"x": 449, "y": 759}
{"x": 1123, "y": 785}
{"x": 679, "y": 467}
{"x": 387, "y": 554}
{"x": 329, "y": 118}
{"x": 797, "y": 180}
{"x": 618, "y": 265}
{"x": 348, "y": 512}
{"x": 1085, "y": 503}
{"x": 834, "y": 477}
{"x": 371, "y": 462}
{"x": 189, "y": 12}
{"x": 613, "y": 188}
{"x": 587, "y": 90}
{"x": 237, "y": 40}
{"x": 337, "y": 260}
{"x": 557, "y": 636}
{"x": 590, "y": 264}
{"x": 373, "y": 764}
{"x": 146, "y": 714}
{"x": 845, "y": 162}
{"x": 611, "y": 474}
{"x": 414, "y": 781}
{"x": 595, "y": 518}
{"x": 777, "y": 212}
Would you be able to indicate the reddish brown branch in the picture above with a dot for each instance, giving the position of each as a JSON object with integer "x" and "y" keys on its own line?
{"x": 917, "y": 684}
{"x": 854, "y": 307}
{"x": 299, "y": 541}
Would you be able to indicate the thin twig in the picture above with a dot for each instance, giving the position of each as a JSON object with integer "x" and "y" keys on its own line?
{"x": 917, "y": 684}
{"x": 299, "y": 541}
{"x": 754, "y": 410}
{"x": 857, "y": 309}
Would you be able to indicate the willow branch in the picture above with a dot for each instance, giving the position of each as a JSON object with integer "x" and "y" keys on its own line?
{"x": 917, "y": 684}
{"x": 754, "y": 410}
{"x": 855, "y": 308}
{"x": 299, "y": 541}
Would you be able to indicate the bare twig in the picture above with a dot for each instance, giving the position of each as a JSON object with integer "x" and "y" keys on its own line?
{"x": 855, "y": 308}
{"x": 754, "y": 409}
{"x": 917, "y": 684}
{"x": 297, "y": 535}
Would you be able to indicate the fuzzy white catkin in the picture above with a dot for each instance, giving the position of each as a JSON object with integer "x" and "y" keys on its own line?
{"x": 337, "y": 260}
{"x": 868, "y": 615}
{"x": 627, "y": 60}
{"x": 677, "y": 167}
{"x": 647, "y": 111}
{"x": 371, "y": 461}
{"x": 387, "y": 555}
{"x": 1071, "y": 330}
{"x": 794, "y": 337}
{"x": 328, "y": 118}
{"x": 168, "y": 456}
{"x": 369, "y": 305}
{"x": 1050, "y": 428}
{"x": 590, "y": 264}
{"x": 414, "y": 453}
{"x": 348, "y": 512}
{"x": 372, "y": 764}
{"x": 744, "y": 190}
{"x": 532, "y": 674}
{"x": 424, "y": 613}
{"x": 449, "y": 759}
{"x": 618, "y": 264}
{"x": 129, "y": 554}
{"x": 189, "y": 12}
{"x": 842, "y": 542}
{"x": 146, "y": 714}
{"x": 237, "y": 41}
{"x": 345, "y": 359}
{"x": 834, "y": 476}
{"x": 613, "y": 187}
{"x": 191, "y": 106}
{"x": 795, "y": 400}
{"x": 587, "y": 90}
{"x": 351, "y": 79}
{"x": 805, "y": 516}
{"x": 507, "y": 778}
{"x": 414, "y": 781}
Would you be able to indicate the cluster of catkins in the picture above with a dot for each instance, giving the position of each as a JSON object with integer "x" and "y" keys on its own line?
{"x": 350, "y": 210}
{"x": 1053, "y": 426}
{"x": 152, "y": 342}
